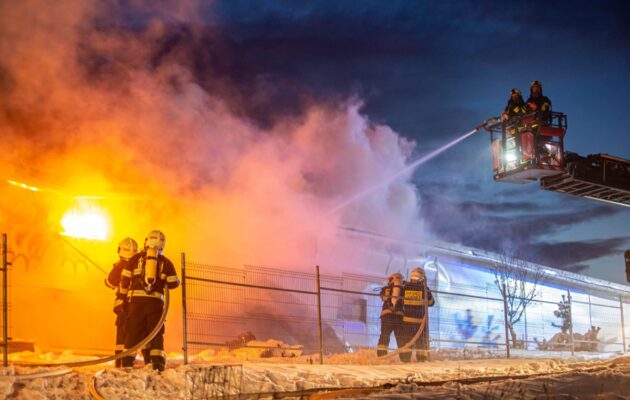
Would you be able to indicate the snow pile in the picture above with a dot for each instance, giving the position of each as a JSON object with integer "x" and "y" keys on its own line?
{"x": 607, "y": 384}
{"x": 183, "y": 381}
{"x": 253, "y": 350}
{"x": 39, "y": 357}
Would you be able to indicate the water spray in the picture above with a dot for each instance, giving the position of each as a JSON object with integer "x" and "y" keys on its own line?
{"x": 409, "y": 168}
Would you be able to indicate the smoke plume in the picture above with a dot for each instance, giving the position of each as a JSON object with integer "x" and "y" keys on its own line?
{"x": 135, "y": 106}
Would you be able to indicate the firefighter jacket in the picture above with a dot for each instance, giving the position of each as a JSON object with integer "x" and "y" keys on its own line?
{"x": 413, "y": 306}
{"x": 541, "y": 105}
{"x": 113, "y": 279}
{"x": 132, "y": 282}
{"x": 515, "y": 107}
{"x": 390, "y": 304}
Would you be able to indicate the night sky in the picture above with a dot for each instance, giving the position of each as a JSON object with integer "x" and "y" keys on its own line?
{"x": 433, "y": 71}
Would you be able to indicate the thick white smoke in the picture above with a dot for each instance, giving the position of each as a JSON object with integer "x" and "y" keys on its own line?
{"x": 227, "y": 188}
{"x": 96, "y": 102}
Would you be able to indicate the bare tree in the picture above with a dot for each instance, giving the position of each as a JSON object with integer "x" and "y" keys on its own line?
{"x": 518, "y": 282}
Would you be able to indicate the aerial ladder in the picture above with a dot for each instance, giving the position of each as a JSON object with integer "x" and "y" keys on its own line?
{"x": 527, "y": 149}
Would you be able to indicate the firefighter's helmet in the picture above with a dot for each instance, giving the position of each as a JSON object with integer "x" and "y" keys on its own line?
{"x": 155, "y": 239}
{"x": 535, "y": 83}
{"x": 396, "y": 278}
{"x": 127, "y": 248}
{"x": 417, "y": 274}
{"x": 515, "y": 91}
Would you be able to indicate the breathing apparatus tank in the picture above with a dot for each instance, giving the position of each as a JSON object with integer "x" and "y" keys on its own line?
{"x": 396, "y": 280}
{"x": 154, "y": 245}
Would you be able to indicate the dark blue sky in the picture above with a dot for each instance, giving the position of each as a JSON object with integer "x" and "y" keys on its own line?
{"x": 433, "y": 71}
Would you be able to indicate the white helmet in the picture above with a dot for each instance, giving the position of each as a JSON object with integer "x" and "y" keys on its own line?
{"x": 417, "y": 274}
{"x": 396, "y": 278}
{"x": 127, "y": 248}
{"x": 155, "y": 239}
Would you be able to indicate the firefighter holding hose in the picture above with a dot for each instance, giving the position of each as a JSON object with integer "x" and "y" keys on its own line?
{"x": 414, "y": 312}
{"x": 391, "y": 314}
{"x": 127, "y": 248}
{"x": 143, "y": 281}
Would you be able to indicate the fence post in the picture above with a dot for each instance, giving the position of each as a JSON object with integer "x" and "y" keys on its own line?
{"x": 319, "y": 317}
{"x": 5, "y": 306}
{"x": 571, "y": 324}
{"x": 505, "y": 321}
{"x": 184, "y": 314}
{"x": 526, "y": 342}
{"x": 623, "y": 325}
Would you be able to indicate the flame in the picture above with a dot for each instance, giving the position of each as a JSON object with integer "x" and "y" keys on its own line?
{"x": 85, "y": 224}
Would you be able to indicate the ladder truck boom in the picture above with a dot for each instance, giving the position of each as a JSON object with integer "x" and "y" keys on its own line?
{"x": 597, "y": 177}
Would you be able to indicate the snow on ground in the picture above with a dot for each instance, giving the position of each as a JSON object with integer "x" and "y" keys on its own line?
{"x": 276, "y": 375}
{"x": 610, "y": 383}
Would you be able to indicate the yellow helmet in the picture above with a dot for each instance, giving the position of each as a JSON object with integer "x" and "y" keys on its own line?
{"x": 155, "y": 239}
{"x": 127, "y": 248}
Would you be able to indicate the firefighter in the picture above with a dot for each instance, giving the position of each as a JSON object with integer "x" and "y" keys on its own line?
{"x": 515, "y": 107}
{"x": 127, "y": 248}
{"x": 143, "y": 281}
{"x": 538, "y": 103}
{"x": 413, "y": 314}
{"x": 391, "y": 314}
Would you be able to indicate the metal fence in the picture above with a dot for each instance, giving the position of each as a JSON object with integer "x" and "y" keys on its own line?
{"x": 5, "y": 301}
{"x": 302, "y": 316}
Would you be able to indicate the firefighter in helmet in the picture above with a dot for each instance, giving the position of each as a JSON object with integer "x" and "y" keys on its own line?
{"x": 391, "y": 313}
{"x": 515, "y": 107}
{"x": 143, "y": 282}
{"x": 413, "y": 314}
{"x": 538, "y": 103}
{"x": 127, "y": 248}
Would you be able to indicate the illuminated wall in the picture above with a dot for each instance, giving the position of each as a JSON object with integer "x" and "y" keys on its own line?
{"x": 457, "y": 318}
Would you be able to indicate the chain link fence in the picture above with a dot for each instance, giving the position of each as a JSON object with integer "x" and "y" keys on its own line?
{"x": 255, "y": 313}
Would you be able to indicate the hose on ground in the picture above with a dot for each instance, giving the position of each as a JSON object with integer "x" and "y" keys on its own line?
{"x": 130, "y": 351}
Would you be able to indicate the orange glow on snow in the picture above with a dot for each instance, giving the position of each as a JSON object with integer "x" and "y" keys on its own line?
{"x": 85, "y": 224}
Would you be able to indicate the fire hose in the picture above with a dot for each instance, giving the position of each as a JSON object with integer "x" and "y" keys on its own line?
{"x": 128, "y": 352}
{"x": 125, "y": 353}
{"x": 421, "y": 327}
{"x": 68, "y": 369}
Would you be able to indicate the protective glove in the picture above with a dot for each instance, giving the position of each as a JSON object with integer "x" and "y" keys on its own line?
{"x": 120, "y": 306}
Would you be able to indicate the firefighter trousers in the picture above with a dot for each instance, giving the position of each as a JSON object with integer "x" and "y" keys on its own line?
{"x": 389, "y": 323}
{"x": 121, "y": 321}
{"x": 420, "y": 346}
{"x": 144, "y": 314}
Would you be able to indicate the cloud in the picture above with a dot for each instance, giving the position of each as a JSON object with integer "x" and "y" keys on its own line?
{"x": 505, "y": 226}
{"x": 571, "y": 255}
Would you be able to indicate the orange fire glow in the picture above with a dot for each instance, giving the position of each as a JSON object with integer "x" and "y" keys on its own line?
{"x": 85, "y": 224}
{"x": 23, "y": 185}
